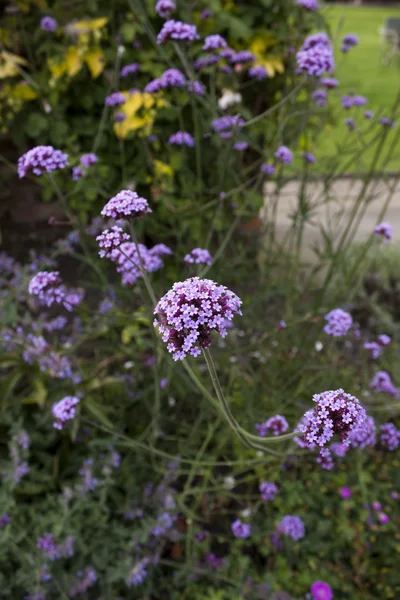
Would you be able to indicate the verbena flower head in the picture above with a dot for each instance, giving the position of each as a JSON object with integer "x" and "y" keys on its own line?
{"x": 383, "y": 231}
{"x": 384, "y": 340}
{"x": 206, "y": 14}
{"x": 172, "y": 78}
{"x": 320, "y": 97}
{"x": 138, "y": 573}
{"x": 350, "y": 122}
{"x": 47, "y": 286}
{"x": 41, "y": 159}
{"x": 160, "y": 250}
{"x": 243, "y": 56}
{"x": 182, "y": 138}
{"x": 368, "y": 114}
{"x": 284, "y": 155}
{"x": 130, "y": 69}
{"x": 64, "y": 410}
{"x": 214, "y": 42}
{"x": 365, "y": 435}
{"x": 292, "y": 526}
{"x": 309, "y": 157}
{"x": 110, "y": 239}
{"x": 164, "y": 8}
{"x": 268, "y": 491}
{"x": 325, "y": 460}
{"x": 268, "y": 169}
{"x": 258, "y": 72}
{"x": 345, "y": 492}
{"x": 349, "y": 41}
{"x": 241, "y": 530}
{"x": 126, "y": 204}
{"x": 153, "y": 86}
{"x": 4, "y": 520}
{"x": 119, "y": 117}
{"x": 311, "y": 5}
{"x": 115, "y": 99}
{"x": 198, "y": 256}
{"x": 336, "y": 413}
{"x": 359, "y": 101}
{"x": 329, "y": 82}
{"x": 347, "y": 101}
{"x": 390, "y": 436}
{"x": 206, "y": 61}
{"x": 196, "y": 87}
{"x": 240, "y": 146}
{"x": 338, "y": 449}
{"x": 339, "y": 322}
{"x": 177, "y": 30}
{"x": 226, "y": 123}
{"x": 129, "y": 264}
{"x": 48, "y": 24}
{"x": 316, "y": 55}
{"x": 386, "y": 122}
{"x": 83, "y": 581}
{"x": 321, "y": 591}
{"x": 47, "y": 544}
{"x": 77, "y": 173}
{"x": 374, "y": 348}
{"x": 191, "y": 311}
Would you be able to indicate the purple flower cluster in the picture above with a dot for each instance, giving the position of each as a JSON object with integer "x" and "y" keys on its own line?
{"x": 138, "y": 573}
{"x": 47, "y": 286}
{"x": 382, "y": 382}
{"x": 336, "y": 413}
{"x": 177, "y": 30}
{"x": 386, "y": 122}
{"x": 89, "y": 483}
{"x": 126, "y": 204}
{"x": 375, "y": 348}
{"x": 311, "y": 5}
{"x": 206, "y": 61}
{"x": 53, "y": 551}
{"x": 110, "y": 239}
{"x": 196, "y": 87}
{"x": 339, "y": 322}
{"x": 198, "y": 256}
{"x": 268, "y": 169}
{"x": 292, "y": 526}
{"x": 321, "y": 590}
{"x": 240, "y": 146}
{"x": 284, "y": 155}
{"x": 276, "y": 424}
{"x": 320, "y": 97}
{"x": 241, "y": 530}
{"x": 383, "y": 231}
{"x": 329, "y": 82}
{"x": 258, "y": 72}
{"x": 309, "y": 157}
{"x": 164, "y": 8}
{"x": 268, "y": 491}
{"x": 190, "y": 311}
{"x": 89, "y": 159}
{"x": 161, "y": 250}
{"x": 130, "y": 69}
{"x": 64, "y": 410}
{"x": 241, "y": 57}
{"x": 364, "y": 436}
{"x": 316, "y": 55}
{"x": 349, "y": 41}
{"x": 172, "y": 78}
{"x": 41, "y": 159}
{"x": 48, "y": 24}
{"x": 214, "y": 42}
{"x": 350, "y": 122}
{"x": 83, "y": 581}
{"x": 390, "y": 436}
{"x": 182, "y": 138}
{"x": 227, "y": 123}
{"x": 129, "y": 262}
{"x": 115, "y": 99}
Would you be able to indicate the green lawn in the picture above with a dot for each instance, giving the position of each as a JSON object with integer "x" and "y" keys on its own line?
{"x": 363, "y": 71}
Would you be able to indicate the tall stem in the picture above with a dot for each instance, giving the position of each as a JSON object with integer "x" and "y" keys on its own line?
{"x": 143, "y": 271}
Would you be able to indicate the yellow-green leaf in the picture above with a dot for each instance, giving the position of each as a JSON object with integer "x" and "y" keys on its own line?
{"x": 94, "y": 59}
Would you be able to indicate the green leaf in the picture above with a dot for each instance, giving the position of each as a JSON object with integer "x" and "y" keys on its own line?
{"x": 98, "y": 413}
{"x": 36, "y": 124}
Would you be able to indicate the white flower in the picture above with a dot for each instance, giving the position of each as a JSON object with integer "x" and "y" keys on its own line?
{"x": 229, "y": 98}
{"x": 318, "y": 346}
{"x": 229, "y": 482}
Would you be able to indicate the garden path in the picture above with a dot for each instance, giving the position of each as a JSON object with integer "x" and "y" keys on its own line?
{"x": 330, "y": 213}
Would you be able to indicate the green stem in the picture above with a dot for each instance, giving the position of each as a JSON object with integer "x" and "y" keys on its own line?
{"x": 143, "y": 271}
